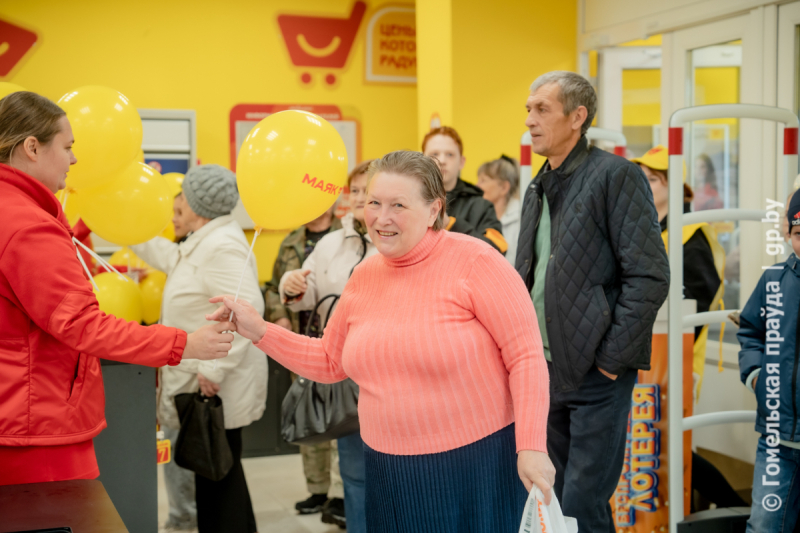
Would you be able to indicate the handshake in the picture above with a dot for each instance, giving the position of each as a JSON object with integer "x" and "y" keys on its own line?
{"x": 214, "y": 341}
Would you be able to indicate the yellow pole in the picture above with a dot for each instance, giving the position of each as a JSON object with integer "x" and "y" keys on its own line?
{"x": 434, "y": 64}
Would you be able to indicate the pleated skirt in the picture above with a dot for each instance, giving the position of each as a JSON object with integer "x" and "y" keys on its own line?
{"x": 475, "y": 488}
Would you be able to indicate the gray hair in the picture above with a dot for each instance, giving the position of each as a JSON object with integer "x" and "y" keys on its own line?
{"x": 574, "y": 91}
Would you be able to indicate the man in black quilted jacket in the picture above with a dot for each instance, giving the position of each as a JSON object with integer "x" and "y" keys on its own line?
{"x": 590, "y": 252}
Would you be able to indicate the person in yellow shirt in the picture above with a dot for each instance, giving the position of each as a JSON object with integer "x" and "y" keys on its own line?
{"x": 703, "y": 272}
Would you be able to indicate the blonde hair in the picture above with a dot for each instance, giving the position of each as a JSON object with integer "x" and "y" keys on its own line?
{"x": 503, "y": 169}
{"x": 421, "y": 167}
{"x": 25, "y": 114}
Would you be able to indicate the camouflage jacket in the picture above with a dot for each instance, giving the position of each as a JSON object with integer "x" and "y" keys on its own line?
{"x": 290, "y": 257}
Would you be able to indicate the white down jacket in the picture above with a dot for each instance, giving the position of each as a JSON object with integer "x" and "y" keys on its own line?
{"x": 209, "y": 263}
{"x": 331, "y": 264}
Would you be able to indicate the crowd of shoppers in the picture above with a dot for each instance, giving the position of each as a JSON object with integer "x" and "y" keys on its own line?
{"x": 481, "y": 376}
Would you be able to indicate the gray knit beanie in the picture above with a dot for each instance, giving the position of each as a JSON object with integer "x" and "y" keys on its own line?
{"x": 210, "y": 190}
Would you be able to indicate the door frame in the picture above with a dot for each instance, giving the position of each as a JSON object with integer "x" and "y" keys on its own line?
{"x": 758, "y": 85}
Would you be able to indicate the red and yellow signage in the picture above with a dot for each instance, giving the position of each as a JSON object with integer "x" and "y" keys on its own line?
{"x": 325, "y": 42}
{"x": 163, "y": 452}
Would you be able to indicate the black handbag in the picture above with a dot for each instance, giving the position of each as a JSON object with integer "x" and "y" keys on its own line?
{"x": 313, "y": 412}
{"x": 202, "y": 445}
{"x": 317, "y": 412}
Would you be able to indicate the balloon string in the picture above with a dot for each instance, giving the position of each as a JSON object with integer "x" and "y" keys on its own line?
{"x": 241, "y": 278}
{"x": 88, "y": 273}
{"x": 131, "y": 273}
{"x": 103, "y": 263}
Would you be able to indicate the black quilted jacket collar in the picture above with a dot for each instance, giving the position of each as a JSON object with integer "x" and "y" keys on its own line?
{"x": 577, "y": 156}
{"x": 607, "y": 272}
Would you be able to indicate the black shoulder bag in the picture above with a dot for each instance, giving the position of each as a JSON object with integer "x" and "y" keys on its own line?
{"x": 313, "y": 412}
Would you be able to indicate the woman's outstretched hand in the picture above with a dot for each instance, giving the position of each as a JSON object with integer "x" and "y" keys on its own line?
{"x": 535, "y": 468}
{"x": 247, "y": 320}
{"x": 209, "y": 342}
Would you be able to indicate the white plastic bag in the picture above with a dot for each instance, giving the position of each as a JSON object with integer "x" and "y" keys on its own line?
{"x": 541, "y": 518}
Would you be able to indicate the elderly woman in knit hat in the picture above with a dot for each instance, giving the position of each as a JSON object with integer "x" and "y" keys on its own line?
{"x": 209, "y": 262}
{"x": 440, "y": 333}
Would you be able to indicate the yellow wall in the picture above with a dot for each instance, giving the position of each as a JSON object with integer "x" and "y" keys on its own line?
{"x": 434, "y": 64}
{"x": 499, "y": 48}
{"x": 207, "y": 56}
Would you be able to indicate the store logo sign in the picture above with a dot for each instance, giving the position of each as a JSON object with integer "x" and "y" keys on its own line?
{"x": 323, "y": 42}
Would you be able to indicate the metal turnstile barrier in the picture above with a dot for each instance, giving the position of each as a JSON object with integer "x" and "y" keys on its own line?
{"x": 677, "y": 219}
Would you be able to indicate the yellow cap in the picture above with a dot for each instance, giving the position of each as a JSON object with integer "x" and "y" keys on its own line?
{"x": 656, "y": 158}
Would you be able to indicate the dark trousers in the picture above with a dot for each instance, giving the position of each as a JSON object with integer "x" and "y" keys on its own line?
{"x": 586, "y": 432}
{"x": 224, "y": 506}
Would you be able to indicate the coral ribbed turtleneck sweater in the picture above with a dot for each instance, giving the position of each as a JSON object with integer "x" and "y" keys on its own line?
{"x": 443, "y": 343}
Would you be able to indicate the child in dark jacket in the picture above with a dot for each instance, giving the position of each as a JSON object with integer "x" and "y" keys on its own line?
{"x": 768, "y": 362}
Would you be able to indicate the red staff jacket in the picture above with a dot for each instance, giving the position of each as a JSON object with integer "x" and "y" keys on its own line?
{"x": 52, "y": 331}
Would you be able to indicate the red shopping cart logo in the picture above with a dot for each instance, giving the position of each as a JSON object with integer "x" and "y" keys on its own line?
{"x": 15, "y": 42}
{"x": 321, "y": 41}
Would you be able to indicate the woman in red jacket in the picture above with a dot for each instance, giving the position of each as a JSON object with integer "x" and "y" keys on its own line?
{"x": 53, "y": 332}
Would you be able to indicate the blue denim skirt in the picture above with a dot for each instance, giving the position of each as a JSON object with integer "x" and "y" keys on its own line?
{"x": 474, "y": 488}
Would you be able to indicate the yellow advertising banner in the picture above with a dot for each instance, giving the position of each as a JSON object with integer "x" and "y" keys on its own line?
{"x": 641, "y": 500}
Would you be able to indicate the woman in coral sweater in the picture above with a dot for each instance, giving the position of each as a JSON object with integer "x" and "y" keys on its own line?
{"x": 440, "y": 334}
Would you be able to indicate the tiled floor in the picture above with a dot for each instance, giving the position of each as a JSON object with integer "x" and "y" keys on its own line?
{"x": 276, "y": 484}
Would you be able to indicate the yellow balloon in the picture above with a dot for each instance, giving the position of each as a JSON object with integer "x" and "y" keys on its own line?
{"x": 133, "y": 208}
{"x": 8, "y": 88}
{"x": 266, "y": 251}
{"x": 70, "y": 208}
{"x": 108, "y": 134}
{"x": 169, "y": 232}
{"x": 175, "y": 182}
{"x": 140, "y": 156}
{"x": 291, "y": 168}
{"x": 118, "y": 297}
{"x": 152, "y": 288}
{"x": 124, "y": 257}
